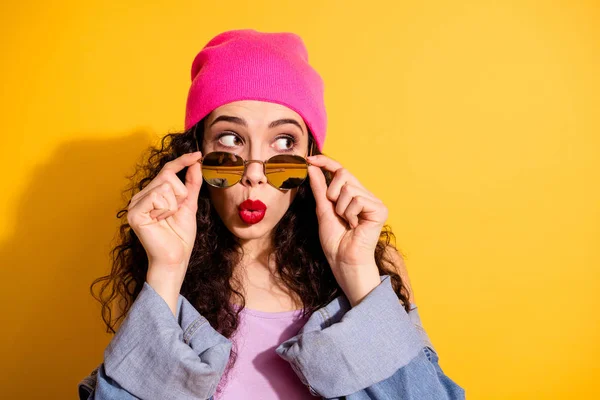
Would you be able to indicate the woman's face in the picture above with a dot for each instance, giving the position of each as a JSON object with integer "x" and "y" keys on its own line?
{"x": 254, "y": 130}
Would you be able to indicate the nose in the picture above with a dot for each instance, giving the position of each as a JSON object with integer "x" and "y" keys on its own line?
{"x": 254, "y": 174}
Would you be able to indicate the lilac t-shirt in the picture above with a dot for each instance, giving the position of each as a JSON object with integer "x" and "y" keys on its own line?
{"x": 259, "y": 372}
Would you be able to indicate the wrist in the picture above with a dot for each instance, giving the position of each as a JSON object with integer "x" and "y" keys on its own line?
{"x": 167, "y": 284}
{"x": 359, "y": 282}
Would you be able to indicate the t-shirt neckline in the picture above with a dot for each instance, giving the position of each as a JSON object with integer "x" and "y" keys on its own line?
{"x": 293, "y": 314}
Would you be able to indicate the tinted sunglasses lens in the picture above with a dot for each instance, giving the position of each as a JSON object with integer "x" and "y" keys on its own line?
{"x": 286, "y": 171}
{"x": 221, "y": 169}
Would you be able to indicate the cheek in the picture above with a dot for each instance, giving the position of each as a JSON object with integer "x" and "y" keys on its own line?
{"x": 220, "y": 200}
{"x": 284, "y": 202}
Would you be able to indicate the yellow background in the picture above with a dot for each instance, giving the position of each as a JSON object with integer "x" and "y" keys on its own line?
{"x": 476, "y": 122}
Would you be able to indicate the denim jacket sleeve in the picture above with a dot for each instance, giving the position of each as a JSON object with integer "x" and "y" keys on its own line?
{"x": 374, "y": 350}
{"x": 156, "y": 355}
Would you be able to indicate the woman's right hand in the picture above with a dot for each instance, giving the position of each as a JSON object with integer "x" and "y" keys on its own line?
{"x": 163, "y": 216}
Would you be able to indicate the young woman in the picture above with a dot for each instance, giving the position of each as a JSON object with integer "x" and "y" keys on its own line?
{"x": 252, "y": 266}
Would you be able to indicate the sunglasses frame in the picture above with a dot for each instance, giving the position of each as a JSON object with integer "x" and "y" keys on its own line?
{"x": 264, "y": 164}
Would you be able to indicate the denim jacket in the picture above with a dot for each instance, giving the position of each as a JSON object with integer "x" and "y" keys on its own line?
{"x": 374, "y": 350}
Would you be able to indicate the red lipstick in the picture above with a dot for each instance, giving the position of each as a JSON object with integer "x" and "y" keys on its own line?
{"x": 252, "y": 211}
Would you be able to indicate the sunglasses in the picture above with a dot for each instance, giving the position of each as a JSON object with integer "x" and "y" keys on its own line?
{"x": 222, "y": 169}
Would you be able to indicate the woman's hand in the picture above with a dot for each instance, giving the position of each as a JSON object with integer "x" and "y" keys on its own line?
{"x": 350, "y": 222}
{"x": 163, "y": 216}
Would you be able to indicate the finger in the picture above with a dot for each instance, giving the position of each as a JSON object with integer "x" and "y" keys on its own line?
{"x": 169, "y": 200}
{"x": 366, "y": 208}
{"x": 183, "y": 161}
{"x": 339, "y": 171}
{"x": 321, "y": 160}
{"x": 193, "y": 183}
{"x": 168, "y": 173}
{"x": 343, "y": 178}
{"x": 139, "y": 214}
{"x": 167, "y": 192}
{"x": 339, "y": 180}
{"x": 173, "y": 180}
{"x": 318, "y": 185}
{"x": 346, "y": 196}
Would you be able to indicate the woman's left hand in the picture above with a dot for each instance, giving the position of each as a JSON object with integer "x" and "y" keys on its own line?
{"x": 350, "y": 222}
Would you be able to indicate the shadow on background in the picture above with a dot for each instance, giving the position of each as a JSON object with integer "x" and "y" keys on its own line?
{"x": 66, "y": 223}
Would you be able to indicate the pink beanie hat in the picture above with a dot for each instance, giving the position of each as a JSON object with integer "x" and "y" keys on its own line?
{"x": 250, "y": 65}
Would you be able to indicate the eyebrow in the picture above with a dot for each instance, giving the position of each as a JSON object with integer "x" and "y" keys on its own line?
{"x": 242, "y": 122}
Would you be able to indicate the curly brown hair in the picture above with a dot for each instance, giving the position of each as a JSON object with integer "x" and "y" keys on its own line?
{"x": 209, "y": 281}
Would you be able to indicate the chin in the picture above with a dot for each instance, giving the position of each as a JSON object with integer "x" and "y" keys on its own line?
{"x": 249, "y": 232}
{"x": 244, "y": 231}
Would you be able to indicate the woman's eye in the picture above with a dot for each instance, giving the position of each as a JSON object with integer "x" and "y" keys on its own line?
{"x": 285, "y": 143}
{"x": 228, "y": 139}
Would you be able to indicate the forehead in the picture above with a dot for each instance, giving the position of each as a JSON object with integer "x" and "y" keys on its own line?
{"x": 255, "y": 112}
